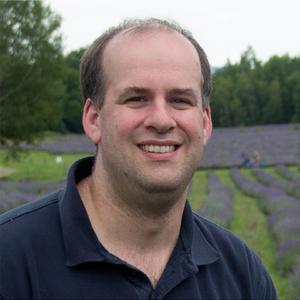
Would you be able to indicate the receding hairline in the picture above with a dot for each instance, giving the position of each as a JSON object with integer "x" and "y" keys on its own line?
{"x": 144, "y": 26}
{"x": 148, "y": 29}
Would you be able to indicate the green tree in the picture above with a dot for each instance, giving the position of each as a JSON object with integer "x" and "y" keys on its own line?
{"x": 30, "y": 70}
{"x": 293, "y": 85}
{"x": 248, "y": 60}
{"x": 222, "y": 95}
{"x": 280, "y": 69}
{"x": 273, "y": 108}
{"x": 72, "y": 102}
{"x": 238, "y": 114}
{"x": 250, "y": 92}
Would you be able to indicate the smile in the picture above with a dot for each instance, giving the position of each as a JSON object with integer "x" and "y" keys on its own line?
{"x": 158, "y": 149}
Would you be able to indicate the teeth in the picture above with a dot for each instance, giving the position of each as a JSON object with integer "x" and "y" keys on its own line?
{"x": 158, "y": 149}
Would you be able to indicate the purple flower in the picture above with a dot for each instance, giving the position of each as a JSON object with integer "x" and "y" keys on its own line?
{"x": 217, "y": 204}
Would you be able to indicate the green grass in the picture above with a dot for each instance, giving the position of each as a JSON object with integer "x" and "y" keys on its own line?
{"x": 38, "y": 165}
{"x": 247, "y": 172}
{"x": 295, "y": 169}
{"x": 198, "y": 189}
{"x": 273, "y": 172}
{"x": 250, "y": 224}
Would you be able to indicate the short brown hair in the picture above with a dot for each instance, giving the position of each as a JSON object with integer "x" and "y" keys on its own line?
{"x": 92, "y": 75}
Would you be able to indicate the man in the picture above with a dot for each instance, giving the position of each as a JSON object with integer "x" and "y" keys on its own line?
{"x": 122, "y": 229}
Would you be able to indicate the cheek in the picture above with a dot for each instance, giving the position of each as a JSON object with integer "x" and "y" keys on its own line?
{"x": 192, "y": 125}
{"x": 126, "y": 121}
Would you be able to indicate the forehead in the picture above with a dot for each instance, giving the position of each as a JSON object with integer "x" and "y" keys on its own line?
{"x": 132, "y": 35}
{"x": 150, "y": 47}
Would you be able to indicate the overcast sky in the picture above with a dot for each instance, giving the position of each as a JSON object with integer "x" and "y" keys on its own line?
{"x": 224, "y": 28}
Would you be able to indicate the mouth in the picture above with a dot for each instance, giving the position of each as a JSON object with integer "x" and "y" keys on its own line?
{"x": 159, "y": 148}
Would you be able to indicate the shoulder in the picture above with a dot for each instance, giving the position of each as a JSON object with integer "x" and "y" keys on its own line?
{"x": 237, "y": 260}
{"x": 216, "y": 234}
{"x": 224, "y": 241}
{"x": 28, "y": 236}
{"x": 28, "y": 228}
{"x": 25, "y": 217}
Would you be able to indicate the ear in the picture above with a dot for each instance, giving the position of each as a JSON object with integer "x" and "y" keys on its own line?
{"x": 91, "y": 121}
{"x": 207, "y": 124}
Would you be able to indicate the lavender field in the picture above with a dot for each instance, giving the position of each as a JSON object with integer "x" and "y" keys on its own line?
{"x": 276, "y": 144}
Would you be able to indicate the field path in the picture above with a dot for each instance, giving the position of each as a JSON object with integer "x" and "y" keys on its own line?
{"x": 6, "y": 171}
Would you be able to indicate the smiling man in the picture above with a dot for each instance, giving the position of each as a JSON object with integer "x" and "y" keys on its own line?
{"x": 122, "y": 227}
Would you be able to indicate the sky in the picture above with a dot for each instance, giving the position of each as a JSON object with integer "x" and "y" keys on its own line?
{"x": 224, "y": 28}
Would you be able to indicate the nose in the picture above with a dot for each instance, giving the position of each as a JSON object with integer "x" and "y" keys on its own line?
{"x": 160, "y": 118}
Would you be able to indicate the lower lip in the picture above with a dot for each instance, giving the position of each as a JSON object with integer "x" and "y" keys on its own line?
{"x": 159, "y": 156}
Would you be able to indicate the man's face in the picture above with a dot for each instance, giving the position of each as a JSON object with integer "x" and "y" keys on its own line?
{"x": 152, "y": 126}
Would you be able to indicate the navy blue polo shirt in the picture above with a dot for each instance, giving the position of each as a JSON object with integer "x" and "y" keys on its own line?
{"x": 48, "y": 250}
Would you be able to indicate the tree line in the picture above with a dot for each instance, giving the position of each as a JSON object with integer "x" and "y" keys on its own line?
{"x": 251, "y": 92}
{"x": 39, "y": 85}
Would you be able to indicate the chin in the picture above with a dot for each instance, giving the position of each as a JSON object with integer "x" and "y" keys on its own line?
{"x": 162, "y": 185}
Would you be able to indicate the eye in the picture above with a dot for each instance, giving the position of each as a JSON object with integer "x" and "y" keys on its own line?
{"x": 135, "y": 101}
{"x": 182, "y": 102}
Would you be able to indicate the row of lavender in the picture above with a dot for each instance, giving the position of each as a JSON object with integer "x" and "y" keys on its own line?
{"x": 283, "y": 213}
{"x": 276, "y": 144}
{"x": 287, "y": 174}
{"x": 290, "y": 186}
{"x": 217, "y": 204}
{"x": 14, "y": 193}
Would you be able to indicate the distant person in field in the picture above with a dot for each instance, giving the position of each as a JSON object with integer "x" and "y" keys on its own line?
{"x": 246, "y": 161}
{"x": 122, "y": 227}
{"x": 252, "y": 161}
{"x": 256, "y": 159}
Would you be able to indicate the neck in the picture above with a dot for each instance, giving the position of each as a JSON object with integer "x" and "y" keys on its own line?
{"x": 142, "y": 235}
{"x": 119, "y": 220}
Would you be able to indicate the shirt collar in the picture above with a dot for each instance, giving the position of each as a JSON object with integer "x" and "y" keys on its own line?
{"x": 202, "y": 252}
{"x": 81, "y": 243}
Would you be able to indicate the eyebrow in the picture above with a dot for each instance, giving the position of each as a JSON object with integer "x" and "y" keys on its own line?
{"x": 186, "y": 91}
{"x": 133, "y": 89}
{"x": 145, "y": 91}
